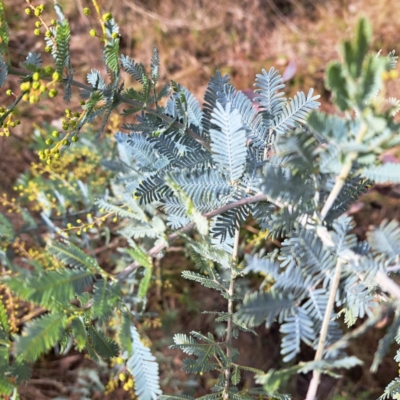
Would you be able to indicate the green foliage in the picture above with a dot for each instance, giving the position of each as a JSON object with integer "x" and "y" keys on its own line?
{"x": 4, "y": 39}
{"x": 4, "y": 32}
{"x": 337, "y": 83}
{"x": 102, "y": 345}
{"x": 354, "y": 53}
{"x": 50, "y": 287}
{"x": 40, "y": 336}
{"x": 7, "y": 232}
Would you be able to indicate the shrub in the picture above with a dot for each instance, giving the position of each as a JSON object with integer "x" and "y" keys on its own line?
{"x": 184, "y": 168}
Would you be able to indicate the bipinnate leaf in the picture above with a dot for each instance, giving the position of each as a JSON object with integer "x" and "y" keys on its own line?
{"x": 105, "y": 295}
{"x": 391, "y": 390}
{"x": 385, "y": 239}
{"x": 104, "y": 346}
{"x": 40, "y": 336}
{"x": 49, "y": 287}
{"x": 79, "y": 332}
{"x": 145, "y": 283}
{"x": 139, "y": 255}
{"x": 228, "y": 142}
{"x": 144, "y": 368}
{"x": 336, "y": 82}
{"x": 386, "y": 173}
{"x": 356, "y": 51}
{"x": 371, "y": 78}
{"x": 262, "y": 306}
{"x": 73, "y": 256}
{"x": 4, "y": 32}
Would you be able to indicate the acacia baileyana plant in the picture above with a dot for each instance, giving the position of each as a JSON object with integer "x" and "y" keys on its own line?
{"x": 184, "y": 168}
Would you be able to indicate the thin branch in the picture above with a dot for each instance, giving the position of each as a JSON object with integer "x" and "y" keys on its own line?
{"x": 229, "y": 327}
{"x": 381, "y": 314}
{"x": 343, "y": 175}
{"x": 123, "y": 99}
{"x": 174, "y": 236}
{"x": 387, "y": 284}
{"x": 10, "y": 108}
{"x": 312, "y": 389}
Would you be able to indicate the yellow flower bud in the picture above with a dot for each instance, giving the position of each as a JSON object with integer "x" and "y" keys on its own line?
{"x": 107, "y": 17}
{"x": 53, "y": 93}
{"x": 56, "y": 76}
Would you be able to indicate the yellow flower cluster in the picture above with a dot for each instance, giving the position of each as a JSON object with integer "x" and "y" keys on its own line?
{"x": 9, "y": 120}
{"x": 152, "y": 323}
{"x": 36, "y": 253}
{"x": 11, "y": 304}
{"x": 10, "y": 204}
{"x": 81, "y": 164}
{"x": 69, "y": 124}
{"x": 124, "y": 379}
{"x": 390, "y": 75}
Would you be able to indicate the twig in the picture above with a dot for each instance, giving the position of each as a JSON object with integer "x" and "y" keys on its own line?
{"x": 387, "y": 284}
{"x": 11, "y": 107}
{"x": 381, "y": 279}
{"x": 49, "y": 382}
{"x": 33, "y": 314}
{"x": 229, "y": 327}
{"x": 382, "y": 312}
{"x": 312, "y": 389}
{"x": 187, "y": 228}
{"x": 344, "y": 173}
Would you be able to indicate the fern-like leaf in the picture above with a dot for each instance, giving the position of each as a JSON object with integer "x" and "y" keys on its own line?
{"x": 270, "y": 97}
{"x": 386, "y": 173}
{"x": 73, "y": 256}
{"x": 63, "y": 36}
{"x": 49, "y": 287}
{"x": 215, "y": 86}
{"x": 205, "y": 281}
{"x": 105, "y": 295}
{"x": 385, "y": 239}
{"x": 262, "y": 306}
{"x": 296, "y": 328}
{"x": 143, "y": 366}
{"x": 4, "y": 32}
{"x": 111, "y": 55}
{"x": 228, "y": 143}
{"x": 295, "y": 112}
{"x": 251, "y": 119}
{"x": 391, "y": 390}
{"x": 136, "y": 70}
{"x": 40, "y": 336}
{"x": 103, "y": 345}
